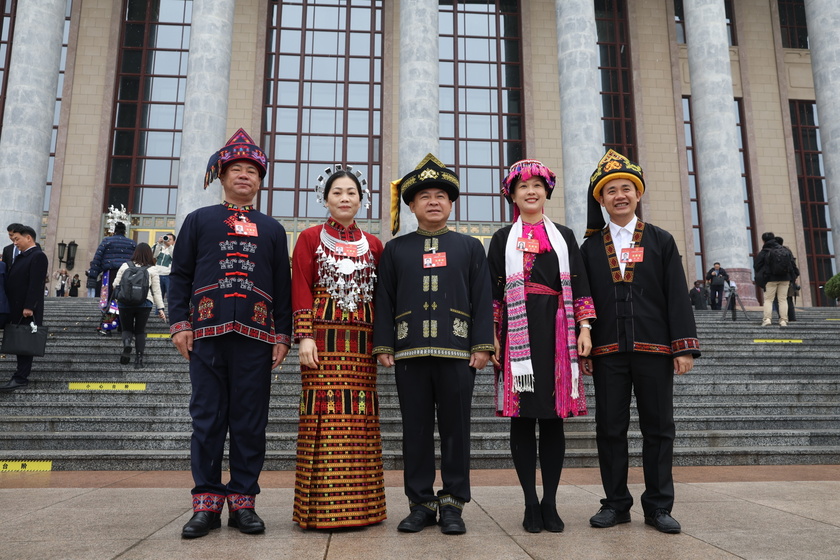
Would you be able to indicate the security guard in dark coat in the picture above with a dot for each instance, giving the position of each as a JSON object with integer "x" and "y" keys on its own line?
{"x": 230, "y": 316}
{"x": 434, "y": 323}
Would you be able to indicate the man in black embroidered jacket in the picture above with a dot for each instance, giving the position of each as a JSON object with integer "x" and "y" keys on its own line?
{"x": 645, "y": 333}
{"x": 230, "y": 315}
{"x": 434, "y": 324}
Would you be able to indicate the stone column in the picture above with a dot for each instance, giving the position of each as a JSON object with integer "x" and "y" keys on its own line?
{"x": 580, "y": 105}
{"x": 29, "y": 112}
{"x": 823, "y": 18}
{"x": 205, "y": 103}
{"x": 715, "y": 136}
{"x": 419, "y": 95}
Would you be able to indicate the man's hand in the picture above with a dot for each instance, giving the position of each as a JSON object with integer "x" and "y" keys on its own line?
{"x": 28, "y": 313}
{"x": 183, "y": 341}
{"x": 586, "y": 366}
{"x": 386, "y": 360}
{"x": 278, "y": 354}
{"x": 683, "y": 364}
{"x": 479, "y": 359}
{"x": 584, "y": 343}
{"x": 308, "y": 352}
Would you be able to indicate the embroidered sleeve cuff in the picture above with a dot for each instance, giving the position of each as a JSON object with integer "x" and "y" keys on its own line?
{"x": 483, "y": 348}
{"x": 685, "y": 346}
{"x": 302, "y": 321}
{"x": 497, "y": 311}
{"x": 382, "y": 350}
{"x": 584, "y": 309}
{"x": 180, "y": 326}
{"x": 283, "y": 339}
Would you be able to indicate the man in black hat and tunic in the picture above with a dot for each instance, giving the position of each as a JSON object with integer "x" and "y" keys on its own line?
{"x": 231, "y": 317}
{"x": 434, "y": 324}
{"x": 645, "y": 334}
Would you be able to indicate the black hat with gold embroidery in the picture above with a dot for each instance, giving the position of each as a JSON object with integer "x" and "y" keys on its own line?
{"x": 612, "y": 166}
{"x": 429, "y": 173}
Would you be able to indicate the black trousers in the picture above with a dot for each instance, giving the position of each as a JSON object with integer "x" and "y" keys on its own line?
{"x": 133, "y": 321}
{"x": 716, "y": 296}
{"x": 231, "y": 384}
{"x": 651, "y": 378}
{"x": 24, "y": 368}
{"x": 426, "y": 385}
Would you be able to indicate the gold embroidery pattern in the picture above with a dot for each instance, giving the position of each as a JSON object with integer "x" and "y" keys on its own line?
{"x": 402, "y": 330}
{"x": 431, "y": 244}
{"x": 435, "y": 283}
{"x": 425, "y": 283}
{"x": 430, "y": 329}
{"x": 460, "y": 328}
{"x": 429, "y": 174}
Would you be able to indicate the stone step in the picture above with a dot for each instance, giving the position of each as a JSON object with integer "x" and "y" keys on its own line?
{"x": 480, "y": 459}
{"x": 289, "y": 424}
{"x": 104, "y": 441}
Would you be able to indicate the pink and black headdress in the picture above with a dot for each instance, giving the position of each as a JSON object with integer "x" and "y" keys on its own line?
{"x": 522, "y": 171}
{"x": 240, "y": 146}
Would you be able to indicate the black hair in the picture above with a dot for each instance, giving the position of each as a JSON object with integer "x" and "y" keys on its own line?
{"x": 119, "y": 227}
{"x": 23, "y": 230}
{"x": 339, "y": 174}
{"x": 780, "y": 241}
{"x": 767, "y": 236}
{"x": 11, "y": 228}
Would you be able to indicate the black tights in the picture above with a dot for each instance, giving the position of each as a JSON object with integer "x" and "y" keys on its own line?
{"x": 552, "y": 448}
{"x": 133, "y": 321}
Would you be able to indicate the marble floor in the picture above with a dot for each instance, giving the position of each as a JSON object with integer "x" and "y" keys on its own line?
{"x": 751, "y": 512}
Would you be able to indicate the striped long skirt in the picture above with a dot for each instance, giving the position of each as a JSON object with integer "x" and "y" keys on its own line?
{"x": 339, "y": 479}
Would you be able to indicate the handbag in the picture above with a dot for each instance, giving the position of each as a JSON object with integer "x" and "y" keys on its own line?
{"x": 25, "y": 340}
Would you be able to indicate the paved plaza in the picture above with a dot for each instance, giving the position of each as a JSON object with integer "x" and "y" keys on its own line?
{"x": 772, "y": 512}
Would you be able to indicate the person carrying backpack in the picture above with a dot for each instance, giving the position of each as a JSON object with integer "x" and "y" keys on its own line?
{"x": 139, "y": 289}
{"x": 772, "y": 272}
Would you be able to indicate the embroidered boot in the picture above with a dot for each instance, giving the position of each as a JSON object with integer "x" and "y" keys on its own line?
{"x": 207, "y": 512}
{"x": 242, "y": 514}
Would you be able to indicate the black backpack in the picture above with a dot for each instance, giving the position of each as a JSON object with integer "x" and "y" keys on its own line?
{"x": 134, "y": 285}
{"x": 779, "y": 260}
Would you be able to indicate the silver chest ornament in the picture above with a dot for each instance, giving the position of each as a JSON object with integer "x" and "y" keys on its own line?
{"x": 348, "y": 280}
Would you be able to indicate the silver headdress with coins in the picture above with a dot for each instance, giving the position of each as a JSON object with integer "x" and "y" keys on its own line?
{"x": 114, "y": 216}
{"x": 322, "y": 183}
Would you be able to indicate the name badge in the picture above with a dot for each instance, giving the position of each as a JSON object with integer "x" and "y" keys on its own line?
{"x": 527, "y": 245}
{"x": 245, "y": 229}
{"x": 632, "y": 255}
{"x": 345, "y": 249}
{"x": 434, "y": 260}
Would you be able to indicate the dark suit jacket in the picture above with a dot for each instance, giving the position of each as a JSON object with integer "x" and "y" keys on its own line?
{"x": 8, "y": 251}
{"x": 25, "y": 284}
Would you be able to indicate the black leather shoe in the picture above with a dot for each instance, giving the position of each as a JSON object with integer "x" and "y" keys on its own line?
{"x": 608, "y": 517}
{"x": 247, "y": 521}
{"x": 664, "y": 523}
{"x": 533, "y": 521}
{"x": 451, "y": 522}
{"x": 125, "y": 357}
{"x": 201, "y": 523}
{"x": 416, "y": 521}
{"x": 550, "y": 519}
{"x": 11, "y": 385}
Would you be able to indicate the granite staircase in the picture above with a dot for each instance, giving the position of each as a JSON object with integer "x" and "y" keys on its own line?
{"x": 758, "y": 396}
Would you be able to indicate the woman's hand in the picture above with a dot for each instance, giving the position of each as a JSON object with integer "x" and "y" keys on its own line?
{"x": 495, "y": 357}
{"x": 308, "y": 353}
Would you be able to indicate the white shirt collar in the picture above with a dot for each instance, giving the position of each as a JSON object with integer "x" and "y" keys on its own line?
{"x": 615, "y": 229}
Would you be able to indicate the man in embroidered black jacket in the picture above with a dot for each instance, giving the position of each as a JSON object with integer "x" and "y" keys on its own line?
{"x": 231, "y": 316}
{"x": 434, "y": 324}
{"x": 645, "y": 333}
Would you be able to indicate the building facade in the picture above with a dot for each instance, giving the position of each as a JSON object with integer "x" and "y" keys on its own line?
{"x": 727, "y": 104}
